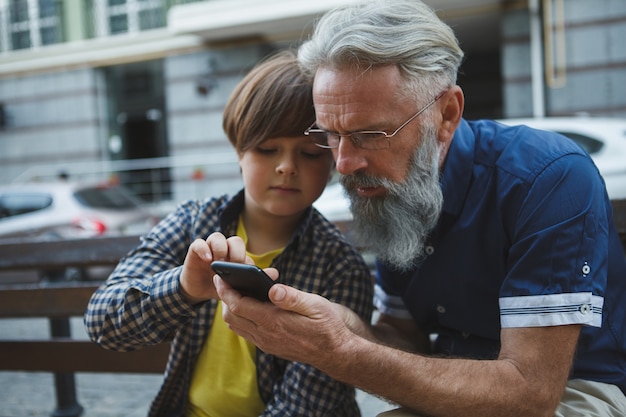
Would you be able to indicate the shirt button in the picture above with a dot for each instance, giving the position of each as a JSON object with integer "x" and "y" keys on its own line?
{"x": 441, "y": 309}
{"x": 586, "y": 269}
{"x": 429, "y": 250}
{"x": 585, "y": 309}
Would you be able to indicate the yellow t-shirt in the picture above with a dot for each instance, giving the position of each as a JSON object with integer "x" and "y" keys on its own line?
{"x": 224, "y": 381}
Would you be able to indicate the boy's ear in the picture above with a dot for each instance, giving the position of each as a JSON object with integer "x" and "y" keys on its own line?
{"x": 239, "y": 157}
{"x": 452, "y": 104}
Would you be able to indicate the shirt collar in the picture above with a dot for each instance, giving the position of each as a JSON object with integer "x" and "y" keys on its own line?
{"x": 233, "y": 207}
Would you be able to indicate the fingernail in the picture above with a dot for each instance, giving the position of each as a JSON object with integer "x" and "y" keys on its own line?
{"x": 279, "y": 294}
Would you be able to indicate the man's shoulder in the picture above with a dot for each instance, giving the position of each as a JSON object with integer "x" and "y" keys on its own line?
{"x": 519, "y": 149}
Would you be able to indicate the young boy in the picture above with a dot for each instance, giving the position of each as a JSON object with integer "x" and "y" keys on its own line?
{"x": 163, "y": 289}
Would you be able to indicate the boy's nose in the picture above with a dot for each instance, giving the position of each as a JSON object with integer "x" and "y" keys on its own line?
{"x": 286, "y": 166}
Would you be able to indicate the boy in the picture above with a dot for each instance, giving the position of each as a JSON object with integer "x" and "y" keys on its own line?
{"x": 164, "y": 290}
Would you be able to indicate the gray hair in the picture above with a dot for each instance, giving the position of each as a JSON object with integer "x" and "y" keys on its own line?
{"x": 371, "y": 33}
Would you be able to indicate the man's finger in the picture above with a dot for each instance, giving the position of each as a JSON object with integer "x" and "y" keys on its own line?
{"x": 291, "y": 299}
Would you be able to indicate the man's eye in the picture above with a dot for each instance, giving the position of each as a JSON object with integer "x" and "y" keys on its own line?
{"x": 313, "y": 152}
{"x": 312, "y": 155}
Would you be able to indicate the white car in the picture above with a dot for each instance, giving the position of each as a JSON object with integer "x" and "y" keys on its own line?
{"x": 334, "y": 203}
{"x": 68, "y": 210}
{"x": 603, "y": 138}
{"x": 65, "y": 210}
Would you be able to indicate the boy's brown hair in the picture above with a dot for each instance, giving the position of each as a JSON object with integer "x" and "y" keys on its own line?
{"x": 273, "y": 100}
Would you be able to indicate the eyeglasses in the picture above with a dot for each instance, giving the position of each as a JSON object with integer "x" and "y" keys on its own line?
{"x": 365, "y": 139}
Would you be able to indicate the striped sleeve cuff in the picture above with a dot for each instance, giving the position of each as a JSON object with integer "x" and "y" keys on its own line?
{"x": 551, "y": 310}
{"x": 391, "y": 305}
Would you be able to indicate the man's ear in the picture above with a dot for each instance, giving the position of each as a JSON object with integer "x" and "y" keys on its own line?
{"x": 452, "y": 104}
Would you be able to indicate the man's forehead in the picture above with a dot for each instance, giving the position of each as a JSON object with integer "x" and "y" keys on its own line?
{"x": 352, "y": 77}
{"x": 352, "y": 94}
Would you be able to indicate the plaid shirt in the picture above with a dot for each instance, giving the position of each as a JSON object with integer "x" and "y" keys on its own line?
{"x": 140, "y": 304}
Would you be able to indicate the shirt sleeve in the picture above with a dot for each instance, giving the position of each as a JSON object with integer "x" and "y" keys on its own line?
{"x": 558, "y": 260}
{"x": 140, "y": 304}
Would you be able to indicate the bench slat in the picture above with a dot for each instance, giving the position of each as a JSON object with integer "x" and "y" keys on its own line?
{"x": 63, "y": 253}
{"x": 619, "y": 215}
{"x": 66, "y": 355}
{"x": 37, "y": 301}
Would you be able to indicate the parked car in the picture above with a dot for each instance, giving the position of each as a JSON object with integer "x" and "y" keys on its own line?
{"x": 334, "y": 203}
{"x": 603, "y": 138}
{"x": 68, "y": 210}
{"x": 63, "y": 210}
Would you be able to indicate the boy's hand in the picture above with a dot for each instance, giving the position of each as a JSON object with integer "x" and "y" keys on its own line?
{"x": 196, "y": 278}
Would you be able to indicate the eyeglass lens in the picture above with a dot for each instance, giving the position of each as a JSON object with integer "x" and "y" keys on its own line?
{"x": 364, "y": 140}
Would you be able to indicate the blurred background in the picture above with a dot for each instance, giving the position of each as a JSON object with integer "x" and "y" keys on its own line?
{"x": 111, "y": 110}
{"x": 131, "y": 92}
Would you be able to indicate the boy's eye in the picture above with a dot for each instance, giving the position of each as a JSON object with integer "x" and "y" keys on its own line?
{"x": 265, "y": 150}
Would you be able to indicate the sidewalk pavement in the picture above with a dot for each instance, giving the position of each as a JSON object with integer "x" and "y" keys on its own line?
{"x": 101, "y": 395}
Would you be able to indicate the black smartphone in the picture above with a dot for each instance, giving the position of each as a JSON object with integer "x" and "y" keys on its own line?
{"x": 249, "y": 280}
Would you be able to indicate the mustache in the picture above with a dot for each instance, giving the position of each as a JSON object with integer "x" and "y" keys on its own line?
{"x": 360, "y": 180}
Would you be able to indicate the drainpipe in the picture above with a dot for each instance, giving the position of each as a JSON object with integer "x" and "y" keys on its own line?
{"x": 536, "y": 60}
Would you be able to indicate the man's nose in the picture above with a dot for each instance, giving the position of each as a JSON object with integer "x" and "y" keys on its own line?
{"x": 348, "y": 157}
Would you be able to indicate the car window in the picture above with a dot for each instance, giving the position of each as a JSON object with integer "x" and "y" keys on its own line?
{"x": 106, "y": 197}
{"x": 589, "y": 144}
{"x": 13, "y": 204}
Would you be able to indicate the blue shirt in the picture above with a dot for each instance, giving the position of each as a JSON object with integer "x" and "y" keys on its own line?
{"x": 526, "y": 238}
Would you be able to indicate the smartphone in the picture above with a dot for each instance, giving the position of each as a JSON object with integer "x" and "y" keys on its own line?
{"x": 249, "y": 280}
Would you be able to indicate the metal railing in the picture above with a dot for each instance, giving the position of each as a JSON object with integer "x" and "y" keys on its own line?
{"x": 155, "y": 180}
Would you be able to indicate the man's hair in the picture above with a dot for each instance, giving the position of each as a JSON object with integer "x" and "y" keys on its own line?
{"x": 406, "y": 33}
{"x": 273, "y": 100}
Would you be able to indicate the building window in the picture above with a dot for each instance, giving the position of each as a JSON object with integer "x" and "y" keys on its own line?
{"x": 30, "y": 23}
{"x": 113, "y": 17}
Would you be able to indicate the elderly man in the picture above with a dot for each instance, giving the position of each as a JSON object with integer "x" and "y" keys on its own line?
{"x": 501, "y": 280}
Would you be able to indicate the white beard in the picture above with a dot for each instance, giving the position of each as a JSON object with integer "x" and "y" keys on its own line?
{"x": 396, "y": 226}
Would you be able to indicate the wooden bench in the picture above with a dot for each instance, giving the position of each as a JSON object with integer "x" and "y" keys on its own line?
{"x": 619, "y": 216}
{"x": 58, "y": 301}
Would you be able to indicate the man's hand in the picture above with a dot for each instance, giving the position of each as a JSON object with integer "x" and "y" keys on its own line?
{"x": 527, "y": 378}
{"x": 196, "y": 283}
{"x": 296, "y": 325}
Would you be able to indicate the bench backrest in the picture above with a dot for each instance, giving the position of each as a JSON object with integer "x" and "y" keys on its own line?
{"x": 58, "y": 302}
{"x": 63, "y": 300}
{"x": 619, "y": 216}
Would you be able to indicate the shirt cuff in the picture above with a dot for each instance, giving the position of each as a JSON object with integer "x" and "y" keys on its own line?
{"x": 391, "y": 305}
{"x": 551, "y": 310}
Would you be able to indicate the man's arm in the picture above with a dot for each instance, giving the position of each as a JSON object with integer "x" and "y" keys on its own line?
{"x": 527, "y": 379}
{"x": 403, "y": 334}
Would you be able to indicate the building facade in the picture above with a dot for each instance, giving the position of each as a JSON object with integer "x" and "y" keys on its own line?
{"x": 133, "y": 90}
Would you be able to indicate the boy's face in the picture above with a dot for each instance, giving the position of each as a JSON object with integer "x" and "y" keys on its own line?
{"x": 284, "y": 176}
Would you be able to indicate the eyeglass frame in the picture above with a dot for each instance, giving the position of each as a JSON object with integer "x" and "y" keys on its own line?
{"x": 383, "y": 134}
